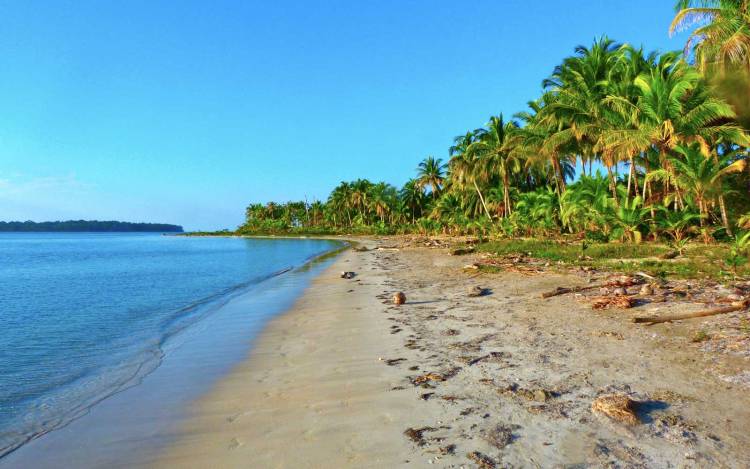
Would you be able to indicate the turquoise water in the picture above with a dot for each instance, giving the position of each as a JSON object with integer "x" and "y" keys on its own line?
{"x": 84, "y": 316}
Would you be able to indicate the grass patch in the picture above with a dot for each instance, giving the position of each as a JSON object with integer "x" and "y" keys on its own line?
{"x": 698, "y": 261}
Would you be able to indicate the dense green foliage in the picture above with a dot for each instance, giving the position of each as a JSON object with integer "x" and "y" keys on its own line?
{"x": 88, "y": 225}
{"x": 660, "y": 154}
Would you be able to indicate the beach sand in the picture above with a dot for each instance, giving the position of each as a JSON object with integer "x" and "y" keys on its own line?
{"x": 347, "y": 379}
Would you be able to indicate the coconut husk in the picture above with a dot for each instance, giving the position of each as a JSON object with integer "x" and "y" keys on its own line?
{"x": 618, "y": 407}
{"x": 426, "y": 378}
{"x": 478, "y": 291}
{"x": 399, "y": 298}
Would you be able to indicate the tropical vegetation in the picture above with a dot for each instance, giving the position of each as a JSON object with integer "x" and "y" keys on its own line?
{"x": 620, "y": 145}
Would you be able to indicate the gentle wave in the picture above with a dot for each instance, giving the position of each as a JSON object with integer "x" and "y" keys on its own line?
{"x": 75, "y": 397}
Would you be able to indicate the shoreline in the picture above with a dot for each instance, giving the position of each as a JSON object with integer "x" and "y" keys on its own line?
{"x": 317, "y": 382}
{"x": 131, "y": 425}
{"x": 346, "y": 379}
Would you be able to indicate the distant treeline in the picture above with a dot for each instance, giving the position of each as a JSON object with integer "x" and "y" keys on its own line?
{"x": 88, "y": 225}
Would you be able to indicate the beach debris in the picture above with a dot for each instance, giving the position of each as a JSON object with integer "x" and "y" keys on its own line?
{"x": 399, "y": 298}
{"x": 646, "y": 290}
{"x": 394, "y": 361}
{"x": 618, "y": 282}
{"x": 417, "y": 434}
{"x": 669, "y": 255}
{"x": 478, "y": 291}
{"x": 735, "y": 306}
{"x": 500, "y": 436}
{"x": 495, "y": 356}
{"x": 618, "y": 301}
{"x": 539, "y": 394}
{"x": 348, "y": 275}
{"x": 474, "y": 266}
{"x": 618, "y": 407}
{"x": 449, "y": 449}
{"x": 619, "y": 291}
{"x": 462, "y": 251}
{"x": 360, "y": 248}
{"x": 481, "y": 460}
{"x": 427, "y": 377}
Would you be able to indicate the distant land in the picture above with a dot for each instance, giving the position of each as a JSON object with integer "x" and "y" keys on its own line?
{"x": 87, "y": 225}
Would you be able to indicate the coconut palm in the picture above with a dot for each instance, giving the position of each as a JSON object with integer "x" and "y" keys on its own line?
{"x": 431, "y": 172}
{"x": 413, "y": 198}
{"x": 629, "y": 219}
{"x": 679, "y": 224}
{"x": 722, "y": 37}
{"x": 465, "y": 168}
{"x": 492, "y": 152}
{"x": 703, "y": 177}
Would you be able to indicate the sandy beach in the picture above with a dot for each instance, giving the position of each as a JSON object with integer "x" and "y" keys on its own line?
{"x": 347, "y": 379}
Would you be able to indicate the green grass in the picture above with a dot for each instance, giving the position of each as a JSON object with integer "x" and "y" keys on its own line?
{"x": 698, "y": 261}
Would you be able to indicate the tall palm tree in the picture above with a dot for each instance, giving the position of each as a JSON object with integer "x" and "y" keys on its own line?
{"x": 491, "y": 147}
{"x": 412, "y": 196}
{"x": 529, "y": 143}
{"x": 465, "y": 168}
{"x": 431, "y": 172}
{"x": 580, "y": 85}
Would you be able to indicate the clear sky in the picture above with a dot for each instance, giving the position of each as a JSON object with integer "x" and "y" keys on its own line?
{"x": 186, "y": 111}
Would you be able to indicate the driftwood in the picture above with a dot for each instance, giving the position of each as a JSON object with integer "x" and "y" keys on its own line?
{"x": 562, "y": 290}
{"x": 623, "y": 281}
{"x": 736, "y": 306}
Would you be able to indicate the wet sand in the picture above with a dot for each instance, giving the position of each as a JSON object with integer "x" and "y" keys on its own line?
{"x": 346, "y": 379}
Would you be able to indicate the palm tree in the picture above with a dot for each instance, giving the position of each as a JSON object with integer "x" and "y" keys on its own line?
{"x": 529, "y": 143}
{"x": 412, "y": 196}
{"x": 722, "y": 38}
{"x": 492, "y": 148}
{"x": 629, "y": 218}
{"x": 431, "y": 172}
{"x": 702, "y": 176}
{"x": 679, "y": 224}
{"x": 464, "y": 167}
{"x": 577, "y": 114}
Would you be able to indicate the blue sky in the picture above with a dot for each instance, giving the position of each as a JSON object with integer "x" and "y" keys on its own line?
{"x": 185, "y": 112}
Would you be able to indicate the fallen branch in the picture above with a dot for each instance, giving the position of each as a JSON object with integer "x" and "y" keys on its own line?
{"x": 562, "y": 290}
{"x": 737, "y": 306}
{"x": 623, "y": 281}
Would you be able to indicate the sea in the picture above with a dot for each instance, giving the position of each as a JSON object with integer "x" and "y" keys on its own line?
{"x": 105, "y": 338}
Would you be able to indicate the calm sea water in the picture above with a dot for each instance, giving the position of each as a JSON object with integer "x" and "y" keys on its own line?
{"x": 83, "y": 316}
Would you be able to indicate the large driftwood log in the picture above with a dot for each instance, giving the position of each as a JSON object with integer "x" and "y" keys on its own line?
{"x": 737, "y": 306}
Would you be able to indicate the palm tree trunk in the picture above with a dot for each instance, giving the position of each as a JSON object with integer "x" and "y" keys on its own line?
{"x": 479, "y": 193}
{"x": 613, "y": 185}
{"x": 559, "y": 174}
{"x": 630, "y": 175}
{"x": 724, "y": 216}
{"x": 506, "y": 194}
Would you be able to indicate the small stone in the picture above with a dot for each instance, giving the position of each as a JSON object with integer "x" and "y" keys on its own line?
{"x": 620, "y": 291}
